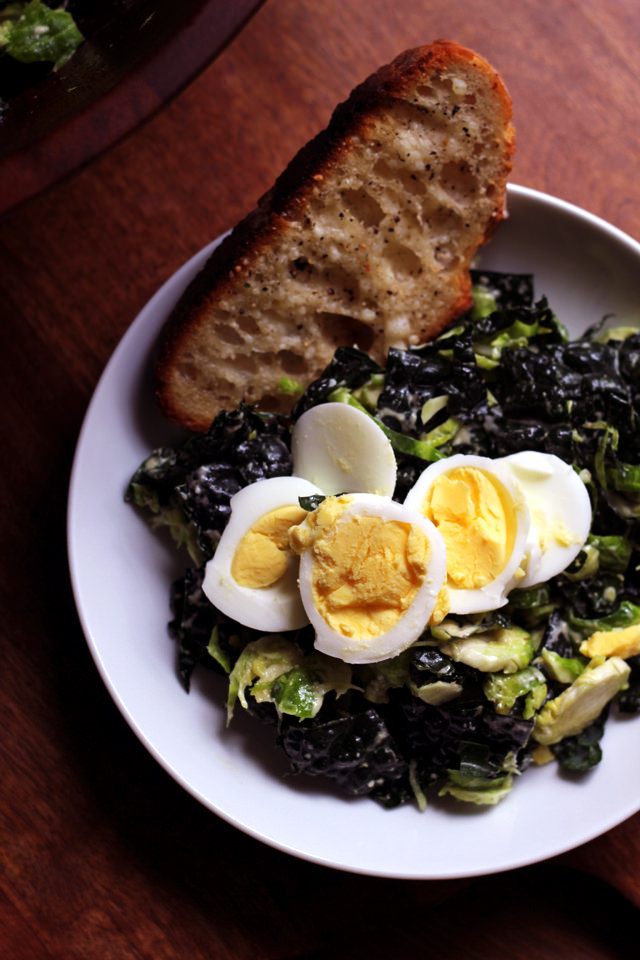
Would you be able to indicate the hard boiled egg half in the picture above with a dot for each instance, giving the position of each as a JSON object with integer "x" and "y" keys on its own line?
{"x": 343, "y": 450}
{"x": 560, "y": 511}
{"x": 484, "y": 521}
{"x": 371, "y": 571}
{"x": 252, "y": 576}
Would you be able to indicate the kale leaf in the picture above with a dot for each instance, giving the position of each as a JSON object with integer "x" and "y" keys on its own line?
{"x": 357, "y": 752}
{"x": 349, "y": 368}
{"x": 193, "y": 624}
{"x": 628, "y": 700}
{"x": 444, "y": 367}
{"x": 201, "y": 476}
{"x": 581, "y": 752}
{"x": 435, "y": 737}
{"x": 508, "y": 290}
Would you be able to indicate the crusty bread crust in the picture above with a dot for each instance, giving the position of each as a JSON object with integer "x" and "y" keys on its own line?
{"x": 365, "y": 239}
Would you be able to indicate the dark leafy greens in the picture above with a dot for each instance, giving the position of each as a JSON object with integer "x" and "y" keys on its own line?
{"x": 191, "y": 486}
{"x": 504, "y": 378}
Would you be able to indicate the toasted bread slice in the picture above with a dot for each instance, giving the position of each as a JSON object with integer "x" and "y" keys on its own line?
{"x": 365, "y": 239}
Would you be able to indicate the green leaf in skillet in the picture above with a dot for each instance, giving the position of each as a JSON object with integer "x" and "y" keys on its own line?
{"x": 40, "y": 34}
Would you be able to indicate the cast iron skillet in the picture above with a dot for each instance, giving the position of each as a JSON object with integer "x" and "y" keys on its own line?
{"x": 137, "y": 54}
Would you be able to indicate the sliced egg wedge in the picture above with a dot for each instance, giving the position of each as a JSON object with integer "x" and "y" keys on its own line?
{"x": 252, "y": 576}
{"x": 484, "y": 521}
{"x": 560, "y": 511}
{"x": 371, "y": 572}
{"x": 343, "y": 450}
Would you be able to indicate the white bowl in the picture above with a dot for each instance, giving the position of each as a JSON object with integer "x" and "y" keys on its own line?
{"x": 121, "y": 573}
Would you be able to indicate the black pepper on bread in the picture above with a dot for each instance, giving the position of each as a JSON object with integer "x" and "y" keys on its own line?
{"x": 365, "y": 239}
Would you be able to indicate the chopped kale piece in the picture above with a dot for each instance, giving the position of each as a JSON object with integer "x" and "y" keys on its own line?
{"x": 444, "y": 367}
{"x": 205, "y": 495}
{"x": 350, "y": 368}
{"x": 557, "y": 637}
{"x": 628, "y": 699}
{"x": 202, "y": 475}
{"x": 262, "y": 457}
{"x": 357, "y": 752}
{"x": 429, "y": 664}
{"x": 435, "y": 736}
{"x": 192, "y": 627}
{"x": 193, "y": 621}
{"x": 153, "y": 482}
{"x": 581, "y": 752}
{"x": 591, "y": 599}
{"x": 509, "y": 290}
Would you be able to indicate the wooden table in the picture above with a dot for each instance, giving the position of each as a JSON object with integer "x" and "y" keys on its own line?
{"x": 103, "y": 855}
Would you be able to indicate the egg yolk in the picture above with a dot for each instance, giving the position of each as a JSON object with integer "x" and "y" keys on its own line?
{"x": 441, "y": 608}
{"x": 261, "y": 557}
{"x": 317, "y": 522}
{"x": 366, "y": 570}
{"x": 622, "y": 642}
{"x": 476, "y": 517}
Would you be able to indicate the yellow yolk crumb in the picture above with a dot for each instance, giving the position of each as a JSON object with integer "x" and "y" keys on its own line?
{"x": 262, "y": 555}
{"x": 560, "y": 534}
{"x": 317, "y": 522}
{"x": 441, "y": 608}
{"x": 565, "y": 537}
{"x": 476, "y": 517}
{"x": 542, "y": 754}
{"x": 366, "y": 570}
{"x": 623, "y": 642}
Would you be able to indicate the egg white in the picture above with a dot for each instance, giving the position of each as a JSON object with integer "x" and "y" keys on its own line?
{"x": 557, "y": 500}
{"x": 277, "y": 607}
{"x": 342, "y": 450}
{"x": 414, "y": 620}
{"x": 494, "y": 594}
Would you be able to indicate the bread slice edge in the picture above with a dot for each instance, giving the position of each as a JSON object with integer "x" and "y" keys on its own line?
{"x": 183, "y": 393}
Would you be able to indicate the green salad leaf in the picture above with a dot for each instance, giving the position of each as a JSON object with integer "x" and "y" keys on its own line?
{"x": 626, "y": 615}
{"x": 504, "y": 689}
{"x": 33, "y": 32}
{"x": 274, "y": 670}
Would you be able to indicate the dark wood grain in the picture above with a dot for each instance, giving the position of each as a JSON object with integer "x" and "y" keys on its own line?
{"x": 102, "y": 854}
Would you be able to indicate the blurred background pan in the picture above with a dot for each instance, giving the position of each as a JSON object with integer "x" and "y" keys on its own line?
{"x": 137, "y": 55}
